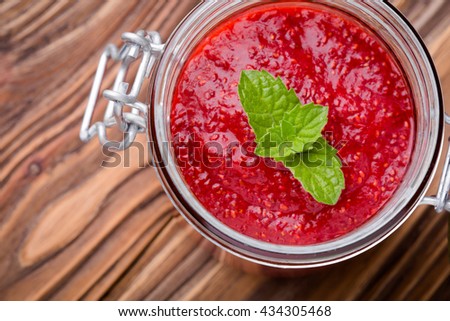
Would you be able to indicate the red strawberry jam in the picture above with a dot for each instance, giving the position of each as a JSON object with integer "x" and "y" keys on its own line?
{"x": 328, "y": 58}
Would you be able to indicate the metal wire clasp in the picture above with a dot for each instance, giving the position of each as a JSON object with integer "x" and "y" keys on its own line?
{"x": 144, "y": 45}
{"x": 441, "y": 200}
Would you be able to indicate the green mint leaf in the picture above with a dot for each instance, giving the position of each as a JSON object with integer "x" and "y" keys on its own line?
{"x": 273, "y": 145}
{"x": 304, "y": 125}
{"x": 298, "y": 128}
{"x": 290, "y": 132}
{"x": 265, "y": 100}
{"x": 319, "y": 172}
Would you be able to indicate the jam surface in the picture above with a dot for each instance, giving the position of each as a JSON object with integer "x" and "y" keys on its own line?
{"x": 327, "y": 58}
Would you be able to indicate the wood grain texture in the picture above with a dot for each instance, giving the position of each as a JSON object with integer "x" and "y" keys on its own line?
{"x": 73, "y": 230}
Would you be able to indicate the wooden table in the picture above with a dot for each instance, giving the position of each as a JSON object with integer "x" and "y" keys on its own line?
{"x": 70, "y": 229}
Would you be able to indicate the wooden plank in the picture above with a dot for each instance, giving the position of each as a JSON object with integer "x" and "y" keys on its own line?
{"x": 71, "y": 229}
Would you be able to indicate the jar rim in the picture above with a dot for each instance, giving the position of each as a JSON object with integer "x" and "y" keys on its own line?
{"x": 261, "y": 252}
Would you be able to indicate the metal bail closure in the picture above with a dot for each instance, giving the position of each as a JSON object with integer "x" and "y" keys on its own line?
{"x": 146, "y": 46}
{"x": 441, "y": 200}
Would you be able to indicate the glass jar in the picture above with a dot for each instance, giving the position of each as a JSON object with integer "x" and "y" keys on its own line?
{"x": 163, "y": 63}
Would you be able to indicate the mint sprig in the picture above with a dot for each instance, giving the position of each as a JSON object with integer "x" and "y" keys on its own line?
{"x": 290, "y": 132}
{"x": 266, "y": 99}
{"x": 298, "y": 128}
